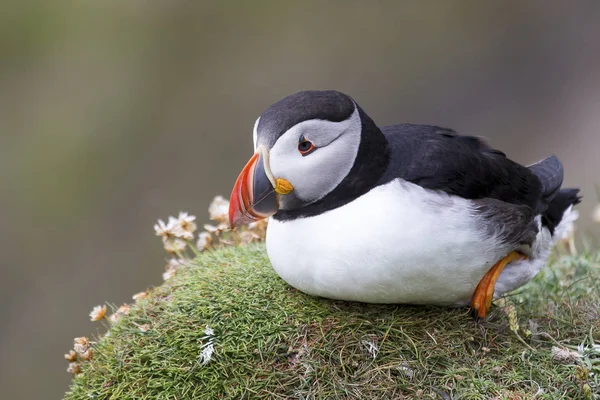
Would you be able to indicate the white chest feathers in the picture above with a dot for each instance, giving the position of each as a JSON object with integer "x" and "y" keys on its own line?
{"x": 399, "y": 243}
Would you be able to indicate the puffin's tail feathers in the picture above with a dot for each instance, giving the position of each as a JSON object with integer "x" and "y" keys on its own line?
{"x": 550, "y": 173}
{"x": 553, "y": 217}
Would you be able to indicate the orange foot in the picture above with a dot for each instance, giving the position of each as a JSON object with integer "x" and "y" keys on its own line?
{"x": 484, "y": 293}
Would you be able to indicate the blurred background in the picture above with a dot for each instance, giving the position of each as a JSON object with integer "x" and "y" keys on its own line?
{"x": 116, "y": 113}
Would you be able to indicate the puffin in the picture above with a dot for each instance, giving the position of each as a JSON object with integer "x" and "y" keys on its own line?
{"x": 401, "y": 214}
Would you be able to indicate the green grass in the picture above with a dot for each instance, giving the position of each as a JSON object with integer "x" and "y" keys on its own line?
{"x": 273, "y": 342}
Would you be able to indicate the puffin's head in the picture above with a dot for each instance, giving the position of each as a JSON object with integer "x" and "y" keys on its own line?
{"x": 305, "y": 145}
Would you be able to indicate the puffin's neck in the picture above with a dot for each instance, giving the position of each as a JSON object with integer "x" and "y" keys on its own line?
{"x": 369, "y": 166}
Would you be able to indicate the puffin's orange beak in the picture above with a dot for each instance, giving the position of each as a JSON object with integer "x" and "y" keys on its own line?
{"x": 255, "y": 194}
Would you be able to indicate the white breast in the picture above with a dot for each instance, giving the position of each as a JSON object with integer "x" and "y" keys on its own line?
{"x": 399, "y": 243}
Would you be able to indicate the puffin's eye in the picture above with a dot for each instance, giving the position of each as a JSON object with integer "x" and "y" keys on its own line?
{"x": 305, "y": 147}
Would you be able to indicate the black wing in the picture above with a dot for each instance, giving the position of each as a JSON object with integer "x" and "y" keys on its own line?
{"x": 440, "y": 159}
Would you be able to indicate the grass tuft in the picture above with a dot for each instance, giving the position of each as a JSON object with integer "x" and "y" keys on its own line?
{"x": 273, "y": 342}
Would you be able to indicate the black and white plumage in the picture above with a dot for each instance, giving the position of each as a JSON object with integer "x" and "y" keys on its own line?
{"x": 398, "y": 214}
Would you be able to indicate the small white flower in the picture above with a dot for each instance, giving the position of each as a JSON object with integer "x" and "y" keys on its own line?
{"x": 114, "y": 317}
{"x": 81, "y": 344}
{"x": 219, "y": 209}
{"x": 182, "y": 227}
{"x": 249, "y": 236}
{"x": 98, "y": 313}
{"x": 174, "y": 229}
{"x": 186, "y": 222}
{"x": 139, "y": 296}
{"x": 171, "y": 268}
{"x": 211, "y": 228}
{"x": 172, "y": 222}
{"x": 174, "y": 245}
{"x": 168, "y": 274}
{"x": 184, "y": 216}
{"x": 120, "y": 313}
{"x": 174, "y": 263}
{"x": 74, "y": 368}
{"x": 259, "y": 228}
{"x": 71, "y": 356}
{"x": 87, "y": 355}
{"x": 183, "y": 234}
{"x": 124, "y": 309}
{"x": 204, "y": 241}
{"x": 163, "y": 229}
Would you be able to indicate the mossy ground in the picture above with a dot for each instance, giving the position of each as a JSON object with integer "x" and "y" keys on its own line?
{"x": 273, "y": 342}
